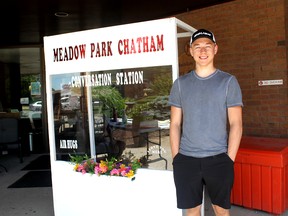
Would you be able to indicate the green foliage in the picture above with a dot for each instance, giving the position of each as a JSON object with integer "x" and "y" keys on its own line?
{"x": 151, "y": 107}
{"x": 161, "y": 107}
{"x": 78, "y": 158}
{"x": 110, "y": 98}
{"x": 129, "y": 159}
{"x": 154, "y": 106}
{"x": 26, "y": 82}
{"x": 89, "y": 166}
{"x": 162, "y": 84}
{"x": 139, "y": 111}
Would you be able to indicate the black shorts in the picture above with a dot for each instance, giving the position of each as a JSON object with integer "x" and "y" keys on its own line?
{"x": 190, "y": 174}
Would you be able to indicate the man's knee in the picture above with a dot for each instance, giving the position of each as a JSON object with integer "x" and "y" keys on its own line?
{"x": 219, "y": 211}
{"x": 194, "y": 211}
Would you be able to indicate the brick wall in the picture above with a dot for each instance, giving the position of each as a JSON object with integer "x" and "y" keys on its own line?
{"x": 251, "y": 35}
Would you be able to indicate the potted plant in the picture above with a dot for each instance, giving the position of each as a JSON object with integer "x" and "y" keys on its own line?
{"x": 126, "y": 166}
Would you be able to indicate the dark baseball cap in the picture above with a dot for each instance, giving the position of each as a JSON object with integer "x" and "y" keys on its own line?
{"x": 202, "y": 33}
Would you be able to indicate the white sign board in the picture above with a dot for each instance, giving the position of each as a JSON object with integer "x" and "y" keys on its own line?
{"x": 137, "y": 45}
{"x": 76, "y": 63}
{"x": 132, "y": 45}
{"x": 270, "y": 82}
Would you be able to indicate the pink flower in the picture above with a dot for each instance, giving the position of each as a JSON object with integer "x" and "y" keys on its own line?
{"x": 80, "y": 168}
{"x": 123, "y": 173}
{"x": 97, "y": 170}
{"x": 114, "y": 172}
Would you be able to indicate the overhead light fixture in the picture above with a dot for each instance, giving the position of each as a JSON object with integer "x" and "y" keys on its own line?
{"x": 61, "y": 14}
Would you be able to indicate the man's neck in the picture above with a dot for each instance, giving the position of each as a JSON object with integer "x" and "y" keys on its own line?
{"x": 205, "y": 71}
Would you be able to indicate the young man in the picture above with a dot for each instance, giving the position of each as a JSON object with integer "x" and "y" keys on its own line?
{"x": 202, "y": 103}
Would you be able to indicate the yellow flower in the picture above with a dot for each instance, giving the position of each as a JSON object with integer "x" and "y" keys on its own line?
{"x": 76, "y": 167}
{"x": 130, "y": 174}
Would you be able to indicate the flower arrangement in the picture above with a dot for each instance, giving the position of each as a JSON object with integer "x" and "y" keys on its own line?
{"x": 126, "y": 166}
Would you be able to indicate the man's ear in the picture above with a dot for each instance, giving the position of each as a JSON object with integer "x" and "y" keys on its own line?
{"x": 190, "y": 50}
{"x": 215, "y": 49}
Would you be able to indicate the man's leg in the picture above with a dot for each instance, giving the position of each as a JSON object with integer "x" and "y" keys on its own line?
{"x": 188, "y": 181}
{"x": 219, "y": 177}
{"x": 219, "y": 211}
{"x": 194, "y": 211}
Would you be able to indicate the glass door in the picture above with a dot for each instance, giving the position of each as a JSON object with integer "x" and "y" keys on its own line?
{"x": 70, "y": 117}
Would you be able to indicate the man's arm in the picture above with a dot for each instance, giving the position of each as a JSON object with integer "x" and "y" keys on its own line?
{"x": 235, "y": 132}
{"x": 175, "y": 129}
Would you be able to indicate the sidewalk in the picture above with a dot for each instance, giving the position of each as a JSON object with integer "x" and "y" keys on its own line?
{"x": 39, "y": 201}
{"x": 22, "y": 201}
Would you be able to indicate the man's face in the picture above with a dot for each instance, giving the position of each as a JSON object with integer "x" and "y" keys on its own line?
{"x": 203, "y": 51}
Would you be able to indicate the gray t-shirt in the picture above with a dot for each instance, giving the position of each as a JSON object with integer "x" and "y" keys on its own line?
{"x": 204, "y": 103}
